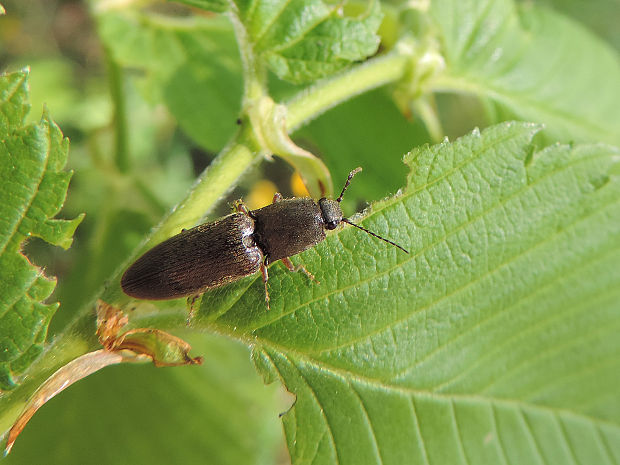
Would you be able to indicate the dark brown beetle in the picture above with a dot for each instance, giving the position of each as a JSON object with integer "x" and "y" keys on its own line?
{"x": 238, "y": 245}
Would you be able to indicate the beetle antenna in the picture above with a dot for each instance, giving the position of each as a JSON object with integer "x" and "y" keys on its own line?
{"x": 346, "y": 184}
{"x": 372, "y": 233}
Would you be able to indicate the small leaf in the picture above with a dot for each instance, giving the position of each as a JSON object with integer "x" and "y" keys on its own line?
{"x": 494, "y": 341}
{"x": 302, "y": 40}
{"x": 310, "y": 40}
{"x": 32, "y": 158}
{"x": 531, "y": 63}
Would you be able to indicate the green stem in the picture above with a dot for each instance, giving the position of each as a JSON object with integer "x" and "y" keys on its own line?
{"x": 121, "y": 142}
{"x": 317, "y": 99}
{"x": 429, "y": 115}
{"x": 212, "y": 185}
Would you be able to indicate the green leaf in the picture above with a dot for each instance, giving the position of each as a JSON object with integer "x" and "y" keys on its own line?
{"x": 302, "y": 40}
{"x": 32, "y": 192}
{"x": 532, "y": 64}
{"x": 310, "y": 40}
{"x": 494, "y": 341}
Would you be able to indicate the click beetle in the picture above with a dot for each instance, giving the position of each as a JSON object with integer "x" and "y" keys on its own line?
{"x": 240, "y": 244}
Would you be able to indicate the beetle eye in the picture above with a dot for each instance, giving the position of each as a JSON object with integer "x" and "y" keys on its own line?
{"x": 332, "y": 225}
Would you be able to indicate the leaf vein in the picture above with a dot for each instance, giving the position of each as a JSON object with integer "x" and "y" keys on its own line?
{"x": 319, "y": 405}
{"x": 370, "y": 429}
{"x": 605, "y": 446}
{"x": 457, "y": 433}
{"x": 566, "y": 441}
{"x": 531, "y": 437}
{"x": 516, "y": 336}
{"x": 549, "y": 239}
{"x": 418, "y": 429}
{"x": 500, "y": 445}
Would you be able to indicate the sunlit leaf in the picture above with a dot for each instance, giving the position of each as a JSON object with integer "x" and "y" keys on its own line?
{"x": 531, "y": 63}
{"x": 494, "y": 341}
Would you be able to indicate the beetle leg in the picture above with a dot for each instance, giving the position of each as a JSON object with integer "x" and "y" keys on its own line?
{"x": 240, "y": 207}
{"x": 277, "y": 197}
{"x": 263, "y": 270}
{"x": 289, "y": 264}
{"x": 191, "y": 303}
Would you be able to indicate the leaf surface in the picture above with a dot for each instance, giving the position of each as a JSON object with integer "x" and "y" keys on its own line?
{"x": 531, "y": 63}
{"x": 32, "y": 192}
{"x": 301, "y": 40}
{"x": 494, "y": 341}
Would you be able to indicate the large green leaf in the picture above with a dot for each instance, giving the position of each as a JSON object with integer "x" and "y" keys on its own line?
{"x": 494, "y": 341}
{"x": 32, "y": 191}
{"x": 533, "y": 64}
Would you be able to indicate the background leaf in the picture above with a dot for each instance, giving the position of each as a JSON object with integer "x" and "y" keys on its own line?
{"x": 350, "y": 135}
{"x": 600, "y": 16}
{"x": 32, "y": 192}
{"x": 494, "y": 341}
{"x": 189, "y": 63}
{"x": 302, "y": 41}
{"x": 533, "y": 64}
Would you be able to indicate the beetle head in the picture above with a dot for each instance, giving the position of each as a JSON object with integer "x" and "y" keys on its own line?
{"x": 332, "y": 214}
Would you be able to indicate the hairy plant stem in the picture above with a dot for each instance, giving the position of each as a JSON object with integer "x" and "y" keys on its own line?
{"x": 328, "y": 93}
